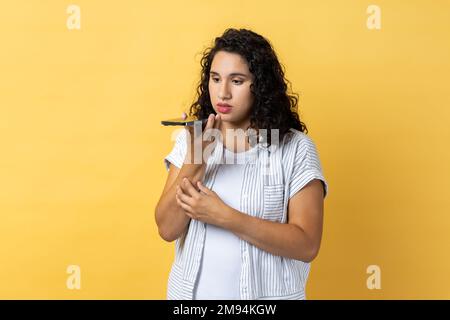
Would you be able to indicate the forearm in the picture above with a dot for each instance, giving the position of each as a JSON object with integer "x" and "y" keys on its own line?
{"x": 170, "y": 217}
{"x": 281, "y": 239}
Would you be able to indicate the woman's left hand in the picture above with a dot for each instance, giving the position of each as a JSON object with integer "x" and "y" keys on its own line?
{"x": 203, "y": 204}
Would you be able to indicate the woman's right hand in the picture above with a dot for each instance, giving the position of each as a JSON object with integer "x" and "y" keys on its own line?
{"x": 204, "y": 139}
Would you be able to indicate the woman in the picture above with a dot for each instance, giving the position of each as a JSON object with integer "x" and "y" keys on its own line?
{"x": 247, "y": 221}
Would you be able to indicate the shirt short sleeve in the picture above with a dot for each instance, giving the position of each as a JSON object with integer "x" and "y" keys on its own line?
{"x": 306, "y": 167}
{"x": 178, "y": 153}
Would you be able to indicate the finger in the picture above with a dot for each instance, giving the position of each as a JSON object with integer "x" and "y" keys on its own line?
{"x": 189, "y": 214}
{"x": 188, "y": 188}
{"x": 184, "y": 115}
{"x": 184, "y": 206}
{"x": 178, "y": 200}
{"x": 202, "y": 187}
{"x": 182, "y": 188}
{"x": 184, "y": 197}
{"x": 210, "y": 123}
{"x": 217, "y": 121}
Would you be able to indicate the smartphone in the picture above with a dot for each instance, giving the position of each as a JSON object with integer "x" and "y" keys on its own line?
{"x": 189, "y": 121}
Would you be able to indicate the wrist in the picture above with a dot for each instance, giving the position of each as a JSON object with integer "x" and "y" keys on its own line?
{"x": 231, "y": 218}
{"x": 194, "y": 172}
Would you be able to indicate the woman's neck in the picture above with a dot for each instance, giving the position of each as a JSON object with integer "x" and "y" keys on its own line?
{"x": 238, "y": 140}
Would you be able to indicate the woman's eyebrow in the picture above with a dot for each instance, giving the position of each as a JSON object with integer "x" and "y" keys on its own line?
{"x": 231, "y": 74}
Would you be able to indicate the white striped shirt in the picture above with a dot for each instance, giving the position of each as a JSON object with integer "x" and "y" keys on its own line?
{"x": 270, "y": 179}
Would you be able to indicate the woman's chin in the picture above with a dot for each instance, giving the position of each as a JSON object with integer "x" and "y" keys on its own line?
{"x": 225, "y": 117}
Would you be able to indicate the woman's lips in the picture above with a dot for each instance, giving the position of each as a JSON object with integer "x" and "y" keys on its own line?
{"x": 224, "y": 109}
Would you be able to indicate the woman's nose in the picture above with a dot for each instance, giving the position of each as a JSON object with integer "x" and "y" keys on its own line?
{"x": 224, "y": 92}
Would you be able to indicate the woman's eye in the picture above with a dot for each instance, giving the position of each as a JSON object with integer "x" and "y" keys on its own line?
{"x": 234, "y": 81}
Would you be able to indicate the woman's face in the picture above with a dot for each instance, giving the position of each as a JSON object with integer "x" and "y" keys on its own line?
{"x": 229, "y": 83}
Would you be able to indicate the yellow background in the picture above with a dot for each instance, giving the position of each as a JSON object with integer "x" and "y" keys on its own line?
{"x": 82, "y": 150}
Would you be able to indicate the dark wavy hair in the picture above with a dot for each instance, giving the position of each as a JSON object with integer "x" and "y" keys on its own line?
{"x": 274, "y": 107}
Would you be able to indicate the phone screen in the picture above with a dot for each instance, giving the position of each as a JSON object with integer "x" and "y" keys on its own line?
{"x": 189, "y": 121}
